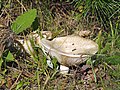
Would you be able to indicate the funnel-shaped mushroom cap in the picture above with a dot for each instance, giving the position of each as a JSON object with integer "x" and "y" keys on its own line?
{"x": 70, "y": 50}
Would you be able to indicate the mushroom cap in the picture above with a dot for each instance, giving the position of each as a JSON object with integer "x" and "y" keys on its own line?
{"x": 70, "y": 50}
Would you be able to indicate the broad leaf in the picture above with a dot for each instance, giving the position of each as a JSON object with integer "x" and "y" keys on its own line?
{"x": 24, "y": 21}
{"x": 9, "y": 57}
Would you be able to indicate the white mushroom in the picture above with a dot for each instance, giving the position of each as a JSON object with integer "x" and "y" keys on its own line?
{"x": 64, "y": 69}
{"x": 69, "y": 50}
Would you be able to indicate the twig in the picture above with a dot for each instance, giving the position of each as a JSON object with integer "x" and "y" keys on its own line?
{"x": 108, "y": 65}
{"x": 21, "y": 5}
{"x": 25, "y": 73}
{"x": 15, "y": 81}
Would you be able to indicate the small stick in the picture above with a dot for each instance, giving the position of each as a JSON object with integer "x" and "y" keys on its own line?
{"x": 15, "y": 81}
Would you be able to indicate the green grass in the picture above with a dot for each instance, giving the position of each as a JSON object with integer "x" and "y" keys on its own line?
{"x": 27, "y": 72}
{"x": 103, "y": 11}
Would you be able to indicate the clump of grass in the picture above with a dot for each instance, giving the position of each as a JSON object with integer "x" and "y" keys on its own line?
{"x": 103, "y": 11}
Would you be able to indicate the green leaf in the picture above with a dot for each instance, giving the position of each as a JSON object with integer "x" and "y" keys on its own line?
{"x": 19, "y": 85}
{"x": 99, "y": 41}
{"x": 54, "y": 62}
{"x": 0, "y": 4}
{"x": 4, "y": 72}
{"x": 9, "y": 57}
{"x": 1, "y": 61}
{"x": 88, "y": 62}
{"x": 106, "y": 48}
{"x": 24, "y": 21}
{"x": 114, "y": 60}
